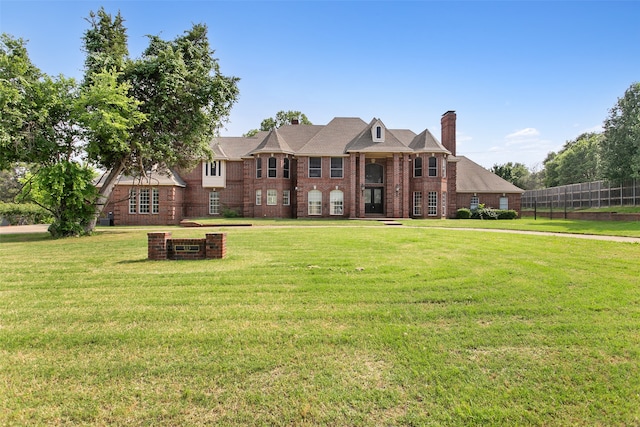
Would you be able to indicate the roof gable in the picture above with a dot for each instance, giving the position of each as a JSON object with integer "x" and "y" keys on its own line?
{"x": 273, "y": 143}
{"x": 426, "y": 142}
{"x": 364, "y": 142}
{"x": 334, "y": 137}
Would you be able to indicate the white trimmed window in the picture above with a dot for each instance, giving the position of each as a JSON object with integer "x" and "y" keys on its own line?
{"x": 444, "y": 168}
{"x": 258, "y": 197}
{"x": 315, "y": 202}
{"x": 214, "y": 203}
{"x": 432, "y": 203}
{"x": 504, "y": 203}
{"x": 336, "y": 197}
{"x": 155, "y": 201}
{"x": 337, "y": 167}
{"x": 433, "y": 166}
{"x": 133, "y": 201}
{"x": 315, "y": 167}
{"x": 213, "y": 168}
{"x": 272, "y": 197}
{"x": 286, "y": 197}
{"x": 285, "y": 168}
{"x": 258, "y": 167}
{"x": 474, "y": 203}
{"x": 417, "y": 167}
{"x": 271, "y": 167}
{"x": 417, "y": 203}
{"x": 144, "y": 203}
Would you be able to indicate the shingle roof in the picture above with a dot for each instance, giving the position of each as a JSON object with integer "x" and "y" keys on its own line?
{"x": 426, "y": 142}
{"x": 364, "y": 142}
{"x": 273, "y": 143}
{"x": 153, "y": 178}
{"x": 334, "y": 137}
{"x": 473, "y": 178}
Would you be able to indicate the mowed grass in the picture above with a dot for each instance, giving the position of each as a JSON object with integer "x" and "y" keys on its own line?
{"x": 321, "y": 326}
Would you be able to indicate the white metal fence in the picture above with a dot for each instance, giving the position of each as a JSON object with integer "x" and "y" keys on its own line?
{"x": 597, "y": 194}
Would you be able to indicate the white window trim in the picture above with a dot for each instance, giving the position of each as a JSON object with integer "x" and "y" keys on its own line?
{"x": 417, "y": 203}
{"x": 432, "y": 203}
{"x": 214, "y": 203}
{"x": 258, "y": 197}
{"x": 314, "y": 206}
{"x": 286, "y": 197}
{"x": 336, "y": 198}
{"x": 272, "y": 197}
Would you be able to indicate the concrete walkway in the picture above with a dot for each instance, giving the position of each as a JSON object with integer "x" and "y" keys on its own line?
{"x": 42, "y": 228}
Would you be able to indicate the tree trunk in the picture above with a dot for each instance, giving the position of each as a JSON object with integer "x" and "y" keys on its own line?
{"x": 104, "y": 194}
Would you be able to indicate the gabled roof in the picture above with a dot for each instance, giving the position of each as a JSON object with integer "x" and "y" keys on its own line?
{"x": 426, "y": 142}
{"x": 273, "y": 143}
{"x": 364, "y": 143}
{"x": 473, "y": 178}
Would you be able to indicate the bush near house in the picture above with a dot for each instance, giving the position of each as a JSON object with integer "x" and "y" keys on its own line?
{"x": 483, "y": 212}
{"x": 24, "y": 213}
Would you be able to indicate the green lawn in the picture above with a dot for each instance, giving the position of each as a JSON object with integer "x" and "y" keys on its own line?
{"x": 314, "y": 325}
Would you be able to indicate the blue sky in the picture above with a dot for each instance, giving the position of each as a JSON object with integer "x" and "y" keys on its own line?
{"x": 523, "y": 77}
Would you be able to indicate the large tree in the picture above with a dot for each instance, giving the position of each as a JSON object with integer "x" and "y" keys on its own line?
{"x": 161, "y": 109}
{"x": 282, "y": 118}
{"x": 620, "y": 149}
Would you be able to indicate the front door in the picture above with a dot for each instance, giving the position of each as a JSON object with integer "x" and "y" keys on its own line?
{"x": 373, "y": 200}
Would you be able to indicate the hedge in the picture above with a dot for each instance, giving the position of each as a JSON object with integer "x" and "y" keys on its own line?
{"x": 24, "y": 214}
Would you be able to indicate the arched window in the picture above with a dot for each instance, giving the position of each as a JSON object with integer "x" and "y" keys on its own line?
{"x": 315, "y": 202}
{"x": 374, "y": 173}
{"x": 336, "y": 198}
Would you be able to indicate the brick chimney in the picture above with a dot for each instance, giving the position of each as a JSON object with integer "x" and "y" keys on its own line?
{"x": 448, "y": 129}
{"x": 295, "y": 121}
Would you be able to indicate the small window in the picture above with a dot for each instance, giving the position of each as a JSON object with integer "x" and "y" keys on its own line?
{"x": 504, "y": 203}
{"x": 433, "y": 166}
{"x": 133, "y": 201}
{"x": 258, "y": 167}
{"x": 315, "y": 202}
{"x": 417, "y": 167}
{"x": 214, "y": 203}
{"x": 286, "y": 197}
{"x": 337, "y": 170}
{"x": 143, "y": 206}
{"x": 336, "y": 198}
{"x": 271, "y": 167}
{"x": 378, "y": 132}
{"x": 474, "y": 203}
{"x": 285, "y": 168}
{"x": 373, "y": 173}
{"x": 444, "y": 168}
{"x": 155, "y": 201}
{"x": 433, "y": 203}
{"x": 258, "y": 197}
{"x": 315, "y": 167}
{"x": 272, "y": 197}
{"x": 417, "y": 203}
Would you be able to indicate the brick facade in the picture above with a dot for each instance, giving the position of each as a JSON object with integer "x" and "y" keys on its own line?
{"x": 346, "y": 169}
{"x": 162, "y": 247}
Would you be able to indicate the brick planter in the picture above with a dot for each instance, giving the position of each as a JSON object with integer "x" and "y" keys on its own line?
{"x": 161, "y": 247}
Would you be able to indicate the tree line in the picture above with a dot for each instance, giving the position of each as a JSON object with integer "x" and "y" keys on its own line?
{"x": 613, "y": 155}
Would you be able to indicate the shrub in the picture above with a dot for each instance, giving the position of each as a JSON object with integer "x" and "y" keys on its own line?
{"x": 24, "y": 213}
{"x": 230, "y": 213}
{"x": 507, "y": 214}
{"x": 463, "y": 213}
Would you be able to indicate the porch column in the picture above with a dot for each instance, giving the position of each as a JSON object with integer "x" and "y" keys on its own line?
{"x": 406, "y": 187}
{"x": 361, "y": 179}
{"x": 353, "y": 186}
{"x": 396, "y": 187}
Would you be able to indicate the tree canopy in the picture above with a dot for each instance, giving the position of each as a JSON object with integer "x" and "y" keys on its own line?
{"x": 620, "y": 148}
{"x": 282, "y": 118}
{"x": 578, "y": 161}
{"x": 129, "y": 116}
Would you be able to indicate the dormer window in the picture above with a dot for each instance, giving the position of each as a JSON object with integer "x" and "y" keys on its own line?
{"x": 377, "y": 132}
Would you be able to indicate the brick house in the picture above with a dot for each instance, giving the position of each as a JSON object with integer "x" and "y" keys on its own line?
{"x": 345, "y": 169}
